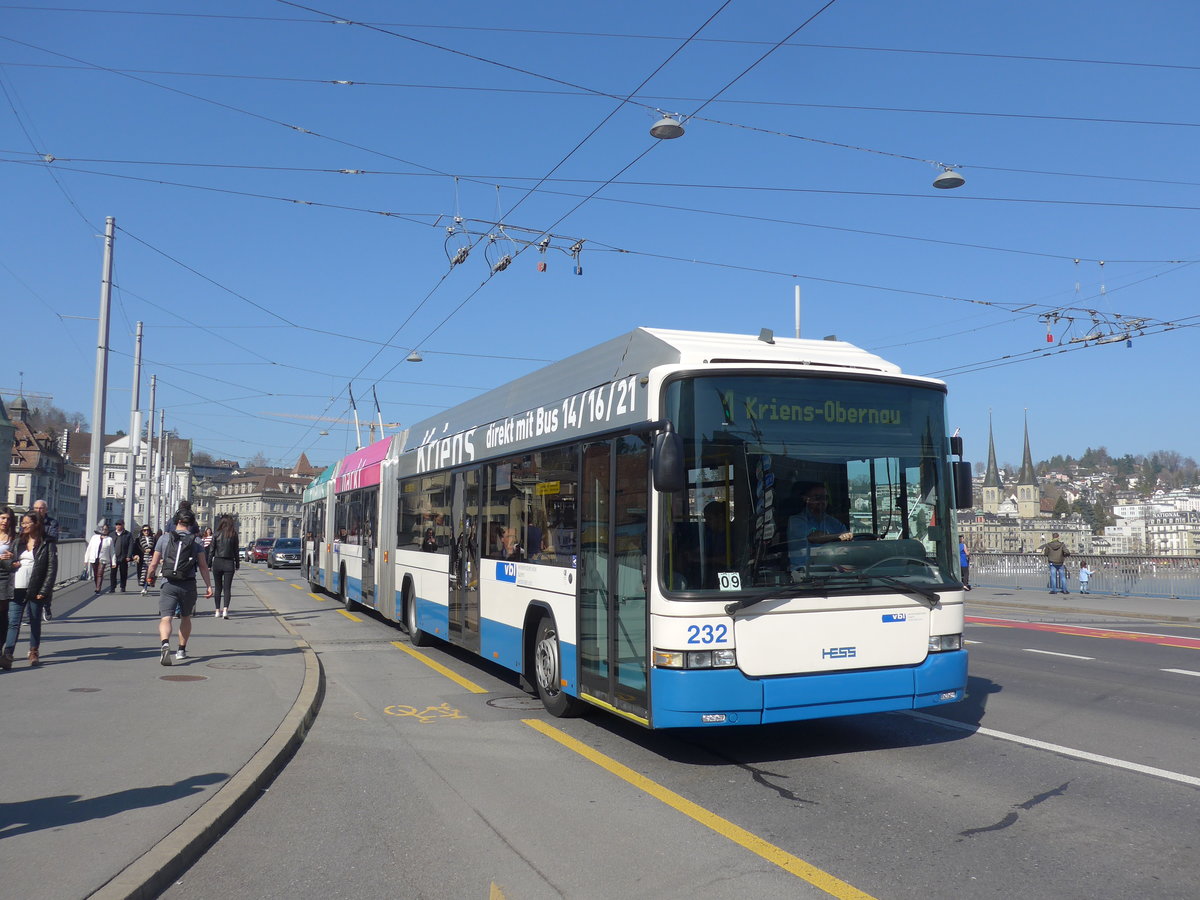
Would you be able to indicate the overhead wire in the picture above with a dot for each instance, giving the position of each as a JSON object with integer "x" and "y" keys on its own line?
{"x": 411, "y": 218}
{"x": 622, "y": 35}
{"x": 649, "y": 101}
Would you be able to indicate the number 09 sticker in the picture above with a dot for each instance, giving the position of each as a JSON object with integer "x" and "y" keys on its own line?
{"x": 729, "y": 581}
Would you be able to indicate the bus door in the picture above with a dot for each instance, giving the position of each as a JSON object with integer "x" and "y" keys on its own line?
{"x": 367, "y": 540}
{"x": 613, "y": 627}
{"x": 464, "y": 559}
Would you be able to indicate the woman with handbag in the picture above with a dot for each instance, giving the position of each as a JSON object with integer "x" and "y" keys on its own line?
{"x": 145, "y": 550}
{"x": 99, "y": 555}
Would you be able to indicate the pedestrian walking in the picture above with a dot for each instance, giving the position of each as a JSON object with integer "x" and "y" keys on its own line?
{"x": 206, "y": 538}
{"x": 180, "y": 554}
{"x": 1085, "y": 576}
{"x": 9, "y": 529}
{"x": 145, "y": 550}
{"x": 50, "y": 530}
{"x": 964, "y": 564}
{"x": 36, "y": 567}
{"x": 99, "y": 555}
{"x": 123, "y": 552}
{"x": 1056, "y": 555}
{"x": 225, "y": 559}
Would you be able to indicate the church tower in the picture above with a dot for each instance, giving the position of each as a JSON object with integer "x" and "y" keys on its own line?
{"x": 1029, "y": 495}
{"x": 993, "y": 487}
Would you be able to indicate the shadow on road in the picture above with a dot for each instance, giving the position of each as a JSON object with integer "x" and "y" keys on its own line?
{"x": 29, "y": 816}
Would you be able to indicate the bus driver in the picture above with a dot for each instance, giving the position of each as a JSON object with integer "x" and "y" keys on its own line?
{"x": 812, "y": 525}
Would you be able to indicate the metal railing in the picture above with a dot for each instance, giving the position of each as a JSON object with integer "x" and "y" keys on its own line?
{"x": 1144, "y": 576}
{"x": 70, "y": 560}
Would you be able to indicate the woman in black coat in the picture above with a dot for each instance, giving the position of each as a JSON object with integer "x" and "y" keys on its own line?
{"x": 34, "y": 571}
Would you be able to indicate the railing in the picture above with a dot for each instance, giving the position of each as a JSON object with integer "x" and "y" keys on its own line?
{"x": 70, "y": 560}
{"x": 1145, "y": 576}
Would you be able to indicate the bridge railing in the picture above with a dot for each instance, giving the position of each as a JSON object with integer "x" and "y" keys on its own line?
{"x": 70, "y": 560}
{"x": 1145, "y": 576}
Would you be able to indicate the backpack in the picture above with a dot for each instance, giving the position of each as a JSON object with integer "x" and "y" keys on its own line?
{"x": 179, "y": 561}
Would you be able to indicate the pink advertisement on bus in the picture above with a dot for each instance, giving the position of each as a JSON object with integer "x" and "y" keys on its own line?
{"x": 361, "y": 468}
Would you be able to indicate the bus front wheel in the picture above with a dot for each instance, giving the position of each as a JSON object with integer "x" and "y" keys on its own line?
{"x": 547, "y": 670}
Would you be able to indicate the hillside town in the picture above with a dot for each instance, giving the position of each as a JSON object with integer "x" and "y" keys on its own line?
{"x": 1129, "y": 507}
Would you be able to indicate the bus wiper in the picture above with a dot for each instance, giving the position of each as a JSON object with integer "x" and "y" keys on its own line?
{"x": 806, "y": 581}
{"x": 931, "y": 596}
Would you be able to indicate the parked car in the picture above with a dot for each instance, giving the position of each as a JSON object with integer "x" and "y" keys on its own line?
{"x": 260, "y": 548}
{"x": 284, "y": 554}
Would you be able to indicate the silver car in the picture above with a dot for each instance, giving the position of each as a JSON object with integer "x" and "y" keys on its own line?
{"x": 284, "y": 554}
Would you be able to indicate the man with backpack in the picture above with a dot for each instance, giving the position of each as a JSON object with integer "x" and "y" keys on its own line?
{"x": 180, "y": 553}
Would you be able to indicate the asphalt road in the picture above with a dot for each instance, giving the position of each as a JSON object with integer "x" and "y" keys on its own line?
{"x": 1072, "y": 771}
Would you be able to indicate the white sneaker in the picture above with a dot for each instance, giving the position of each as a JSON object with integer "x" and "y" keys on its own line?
{"x": 164, "y": 656}
{"x": 216, "y": 614}
{"x": 181, "y": 653}
{"x": 143, "y": 592}
{"x": 224, "y": 614}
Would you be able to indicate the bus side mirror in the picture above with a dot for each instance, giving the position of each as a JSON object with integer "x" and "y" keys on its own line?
{"x": 963, "y": 498}
{"x": 667, "y": 466}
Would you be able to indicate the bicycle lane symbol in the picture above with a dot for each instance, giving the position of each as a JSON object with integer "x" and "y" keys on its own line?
{"x": 426, "y": 715}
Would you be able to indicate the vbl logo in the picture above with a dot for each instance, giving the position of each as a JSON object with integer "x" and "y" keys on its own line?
{"x": 839, "y": 653}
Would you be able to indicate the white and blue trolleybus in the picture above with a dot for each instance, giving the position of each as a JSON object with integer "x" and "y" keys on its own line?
{"x": 684, "y": 529}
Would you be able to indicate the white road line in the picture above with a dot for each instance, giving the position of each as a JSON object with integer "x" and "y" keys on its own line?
{"x": 1058, "y": 748}
{"x": 1182, "y": 672}
{"x": 1052, "y": 653}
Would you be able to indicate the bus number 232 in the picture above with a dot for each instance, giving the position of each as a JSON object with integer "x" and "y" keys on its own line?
{"x": 707, "y": 634}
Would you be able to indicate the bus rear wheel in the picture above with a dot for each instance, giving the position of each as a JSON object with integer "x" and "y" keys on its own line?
{"x": 547, "y": 672}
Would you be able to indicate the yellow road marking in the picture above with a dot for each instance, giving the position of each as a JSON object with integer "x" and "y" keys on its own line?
{"x": 438, "y": 667}
{"x": 750, "y": 841}
{"x": 426, "y": 715}
{"x": 318, "y": 599}
{"x": 349, "y": 615}
{"x": 494, "y": 893}
{"x": 297, "y": 587}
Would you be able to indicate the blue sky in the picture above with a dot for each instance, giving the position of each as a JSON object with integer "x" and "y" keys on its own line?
{"x": 810, "y": 163}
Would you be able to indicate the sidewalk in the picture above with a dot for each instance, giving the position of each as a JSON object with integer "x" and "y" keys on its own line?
{"x": 119, "y": 772}
{"x": 1076, "y": 605}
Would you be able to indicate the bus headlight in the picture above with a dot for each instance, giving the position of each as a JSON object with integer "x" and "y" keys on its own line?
{"x": 940, "y": 643}
{"x": 695, "y": 659}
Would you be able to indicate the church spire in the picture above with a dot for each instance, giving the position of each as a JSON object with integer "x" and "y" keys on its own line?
{"x": 992, "y": 477}
{"x": 1027, "y": 474}
{"x": 1029, "y": 495}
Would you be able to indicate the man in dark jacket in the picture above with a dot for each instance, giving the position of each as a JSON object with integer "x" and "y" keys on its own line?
{"x": 124, "y": 550}
{"x": 1056, "y": 555}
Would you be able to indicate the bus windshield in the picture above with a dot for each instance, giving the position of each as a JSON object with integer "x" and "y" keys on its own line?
{"x": 807, "y": 483}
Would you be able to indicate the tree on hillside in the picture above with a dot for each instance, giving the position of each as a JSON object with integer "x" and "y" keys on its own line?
{"x": 1061, "y": 507}
{"x": 49, "y": 417}
{"x": 1125, "y": 467}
